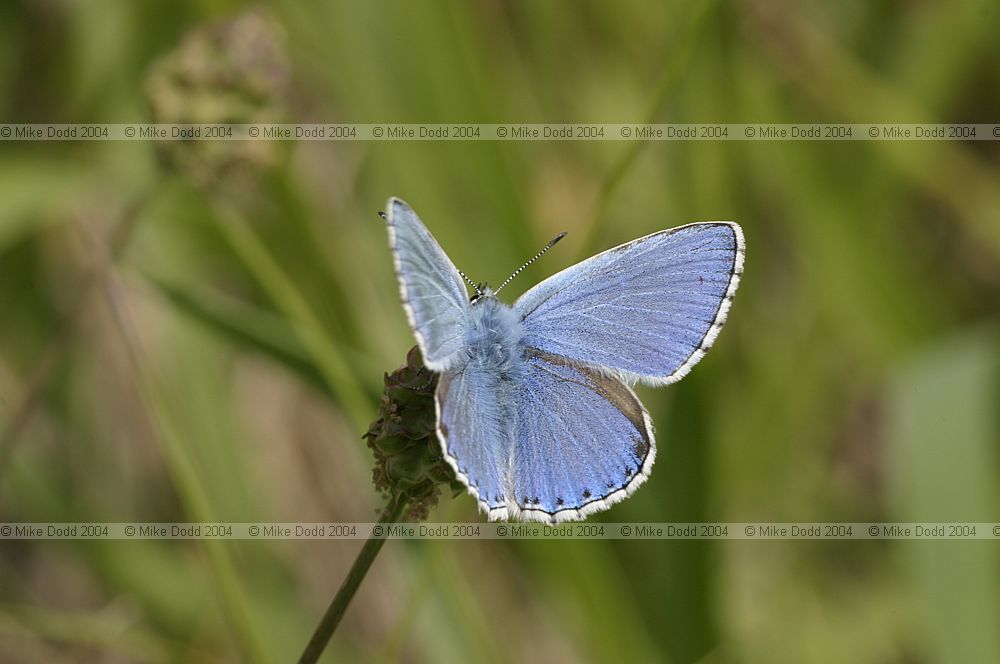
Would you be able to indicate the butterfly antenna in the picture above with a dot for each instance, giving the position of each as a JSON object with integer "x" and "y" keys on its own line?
{"x": 470, "y": 282}
{"x": 532, "y": 260}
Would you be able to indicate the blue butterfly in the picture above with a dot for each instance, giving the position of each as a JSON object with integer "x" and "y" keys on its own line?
{"x": 535, "y": 410}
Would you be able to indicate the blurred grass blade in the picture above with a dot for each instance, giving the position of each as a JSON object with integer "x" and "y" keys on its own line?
{"x": 182, "y": 468}
{"x": 283, "y": 292}
{"x": 942, "y": 444}
{"x": 197, "y": 505}
{"x": 950, "y": 170}
{"x": 104, "y": 631}
{"x": 675, "y": 63}
{"x": 246, "y": 325}
{"x": 30, "y": 190}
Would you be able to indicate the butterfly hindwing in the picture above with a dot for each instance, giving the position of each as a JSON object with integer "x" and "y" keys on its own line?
{"x": 646, "y": 310}
{"x": 584, "y": 441}
{"x": 476, "y": 434}
{"x": 433, "y": 294}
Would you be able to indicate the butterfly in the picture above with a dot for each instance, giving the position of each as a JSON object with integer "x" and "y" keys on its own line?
{"x": 535, "y": 409}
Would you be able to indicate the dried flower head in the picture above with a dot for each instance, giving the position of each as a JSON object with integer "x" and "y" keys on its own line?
{"x": 403, "y": 438}
{"x": 234, "y": 71}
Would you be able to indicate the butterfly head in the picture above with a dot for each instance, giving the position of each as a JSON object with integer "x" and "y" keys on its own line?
{"x": 483, "y": 292}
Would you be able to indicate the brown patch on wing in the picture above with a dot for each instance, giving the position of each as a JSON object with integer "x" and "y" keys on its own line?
{"x": 612, "y": 389}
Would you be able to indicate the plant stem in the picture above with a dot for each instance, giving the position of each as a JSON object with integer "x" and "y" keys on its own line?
{"x": 393, "y": 511}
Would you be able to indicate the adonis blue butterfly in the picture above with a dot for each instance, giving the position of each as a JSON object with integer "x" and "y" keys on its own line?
{"x": 535, "y": 410}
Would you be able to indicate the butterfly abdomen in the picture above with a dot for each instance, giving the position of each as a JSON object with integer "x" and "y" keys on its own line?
{"x": 493, "y": 343}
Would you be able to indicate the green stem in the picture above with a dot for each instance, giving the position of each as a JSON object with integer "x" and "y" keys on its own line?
{"x": 393, "y": 511}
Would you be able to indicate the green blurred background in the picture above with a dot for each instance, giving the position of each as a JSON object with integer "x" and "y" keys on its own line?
{"x": 195, "y": 332}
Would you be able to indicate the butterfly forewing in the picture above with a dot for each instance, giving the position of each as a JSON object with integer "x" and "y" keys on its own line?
{"x": 647, "y": 310}
{"x": 433, "y": 294}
